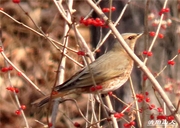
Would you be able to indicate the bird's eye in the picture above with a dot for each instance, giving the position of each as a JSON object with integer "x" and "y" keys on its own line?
{"x": 131, "y": 37}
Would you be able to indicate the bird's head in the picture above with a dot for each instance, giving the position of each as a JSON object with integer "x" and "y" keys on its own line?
{"x": 130, "y": 39}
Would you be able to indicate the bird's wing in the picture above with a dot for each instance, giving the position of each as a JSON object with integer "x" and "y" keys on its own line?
{"x": 102, "y": 69}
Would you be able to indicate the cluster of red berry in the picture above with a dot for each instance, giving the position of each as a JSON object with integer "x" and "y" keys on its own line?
{"x": 13, "y": 89}
{"x": 126, "y": 125}
{"x": 148, "y": 53}
{"x": 160, "y": 35}
{"x": 97, "y": 22}
{"x": 162, "y": 117}
{"x": 18, "y": 112}
{"x": 108, "y": 9}
{"x": 129, "y": 125}
{"x": 81, "y": 53}
{"x": 171, "y": 62}
{"x": 118, "y": 115}
{"x": 95, "y": 88}
{"x": 141, "y": 97}
{"x": 16, "y": 1}
{"x": 6, "y": 69}
{"x": 164, "y": 10}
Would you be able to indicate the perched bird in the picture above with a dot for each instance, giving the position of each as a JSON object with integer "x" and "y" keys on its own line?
{"x": 107, "y": 73}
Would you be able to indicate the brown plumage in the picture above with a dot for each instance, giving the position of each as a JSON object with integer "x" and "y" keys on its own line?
{"x": 110, "y": 71}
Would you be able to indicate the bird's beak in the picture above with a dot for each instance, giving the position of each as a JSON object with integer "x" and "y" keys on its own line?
{"x": 139, "y": 35}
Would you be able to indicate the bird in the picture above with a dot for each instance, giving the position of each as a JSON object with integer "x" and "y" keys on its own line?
{"x": 106, "y": 74}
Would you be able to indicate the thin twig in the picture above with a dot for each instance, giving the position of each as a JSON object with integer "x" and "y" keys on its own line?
{"x": 60, "y": 8}
{"x": 18, "y": 102}
{"x": 157, "y": 31}
{"x": 52, "y": 41}
{"x": 78, "y": 108}
{"x": 136, "y": 103}
{"x": 109, "y": 32}
{"x": 22, "y": 74}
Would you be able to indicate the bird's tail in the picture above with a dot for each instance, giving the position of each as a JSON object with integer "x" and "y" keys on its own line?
{"x": 44, "y": 100}
{"x": 41, "y": 101}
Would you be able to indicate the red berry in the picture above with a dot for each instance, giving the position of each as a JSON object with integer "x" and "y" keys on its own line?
{"x": 145, "y": 77}
{"x": 160, "y": 109}
{"x": 82, "y": 20}
{"x": 18, "y": 112}
{"x": 164, "y": 26}
{"x": 163, "y": 10}
{"x": 113, "y": 8}
{"x": 50, "y": 124}
{"x": 120, "y": 115}
{"x": 126, "y": 125}
{"x": 85, "y": 23}
{"x": 139, "y": 100}
{"x": 160, "y": 13}
{"x": 149, "y": 53}
{"x": 171, "y": 62}
{"x": 93, "y": 88}
{"x": 19, "y": 74}
{"x": 0, "y": 47}
{"x": 105, "y": 9}
{"x": 81, "y": 53}
{"x": 144, "y": 52}
{"x": 100, "y": 24}
{"x": 110, "y": 93}
{"x": 95, "y": 23}
{"x": 23, "y": 107}
{"x": 147, "y": 99}
{"x": 98, "y": 19}
{"x": 151, "y": 106}
{"x": 89, "y": 21}
{"x": 140, "y": 110}
{"x": 16, "y": 1}
{"x": 5, "y": 69}
{"x": 166, "y": 10}
{"x": 76, "y": 124}
{"x": 140, "y": 96}
{"x": 151, "y": 116}
{"x": 132, "y": 123}
{"x": 161, "y": 36}
{"x": 98, "y": 87}
{"x": 152, "y": 34}
{"x": 170, "y": 118}
{"x": 108, "y": 10}
{"x": 10, "y": 88}
{"x": 146, "y": 93}
{"x": 10, "y": 68}
{"x": 161, "y": 117}
{"x": 16, "y": 90}
{"x": 179, "y": 51}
